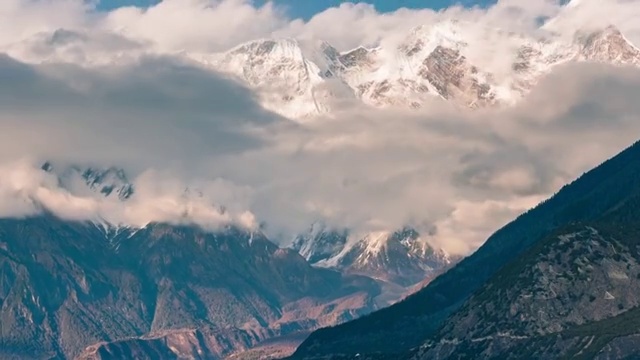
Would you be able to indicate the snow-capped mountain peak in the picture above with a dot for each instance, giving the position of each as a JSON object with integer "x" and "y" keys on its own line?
{"x": 465, "y": 64}
{"x": 607, "y": 45}
{"x": 107, "y": 182}
{"x": 294, "y": 78}
{"x": 424, "y": 39}
{"x": 401, "y": 257}
{"x": 375, "y": 243}
{"x": 320, "y": 243}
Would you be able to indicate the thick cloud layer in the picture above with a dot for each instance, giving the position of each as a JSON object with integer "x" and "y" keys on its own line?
{"x": 158, "y": 111}
{"x": 215, "y": 25}
{"x": 457, "y": 175}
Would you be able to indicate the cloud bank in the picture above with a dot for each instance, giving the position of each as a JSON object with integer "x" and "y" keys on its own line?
{"x": 205, "y": 26}
{"x": 173, "y": 126}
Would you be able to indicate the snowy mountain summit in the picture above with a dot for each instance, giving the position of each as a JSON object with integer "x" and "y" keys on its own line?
{"x": 458, "y": 62}
{"x": 401, "y": 257}
{"x": 465, "y": 64}
{"x": 107, "y": 182}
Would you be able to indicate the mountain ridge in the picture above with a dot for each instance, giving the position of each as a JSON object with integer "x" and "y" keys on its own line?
{"x": 271, "y": 291}
{"x": 432, "y": 62}
{"x": 400, "y": 257}
{"x": 65, "y": 287}
{"x": 460, "y": 63}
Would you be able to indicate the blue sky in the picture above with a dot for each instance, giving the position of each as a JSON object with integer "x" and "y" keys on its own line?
{"x": 306, "y": 8}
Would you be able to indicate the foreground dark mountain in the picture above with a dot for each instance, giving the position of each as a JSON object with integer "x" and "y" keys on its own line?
{"x": 599, "y": 209}
{"x": 159, "y": 292}
{"x": 572, "y": 294}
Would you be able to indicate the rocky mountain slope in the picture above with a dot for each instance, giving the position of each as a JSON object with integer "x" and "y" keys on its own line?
{"x": 568, "y": 263}
{"x": 540, "y": 305}
{"x": 66, "y": 288}
{"x": 399, "y": 260}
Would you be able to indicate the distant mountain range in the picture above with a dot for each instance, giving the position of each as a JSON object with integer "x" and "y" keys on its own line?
{"x": 399, "y": 257}
{"x": 461, "y": 63}
{"x": 302, "y": 79}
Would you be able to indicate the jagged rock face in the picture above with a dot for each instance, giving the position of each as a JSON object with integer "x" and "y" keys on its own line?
{"x": 404, "y": 93}
{"x": 107, "y": 182}
{"x": 537, "y": 58}
{"x": 320, "y": 244}
{"x": 290, "y": 80}
{"x": 67, "y": 286}
{"x": 357, "y": 58}
{"x": 449, "y": 72}
{"x": 400, "y": 257}
{"x": 609, "y": 46}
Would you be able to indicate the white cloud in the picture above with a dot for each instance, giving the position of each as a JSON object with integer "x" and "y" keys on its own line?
{"x": 21, "y": 19}
{"x": 366, "y": 26}
{"x": 459, "y": 231}
{"x": 196, "y": 25}
{"x": 594, "y": 14}
{"x": 466, "y": 173}
{"x": 27, "y": 190}
{"x": 205, "y": 26}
